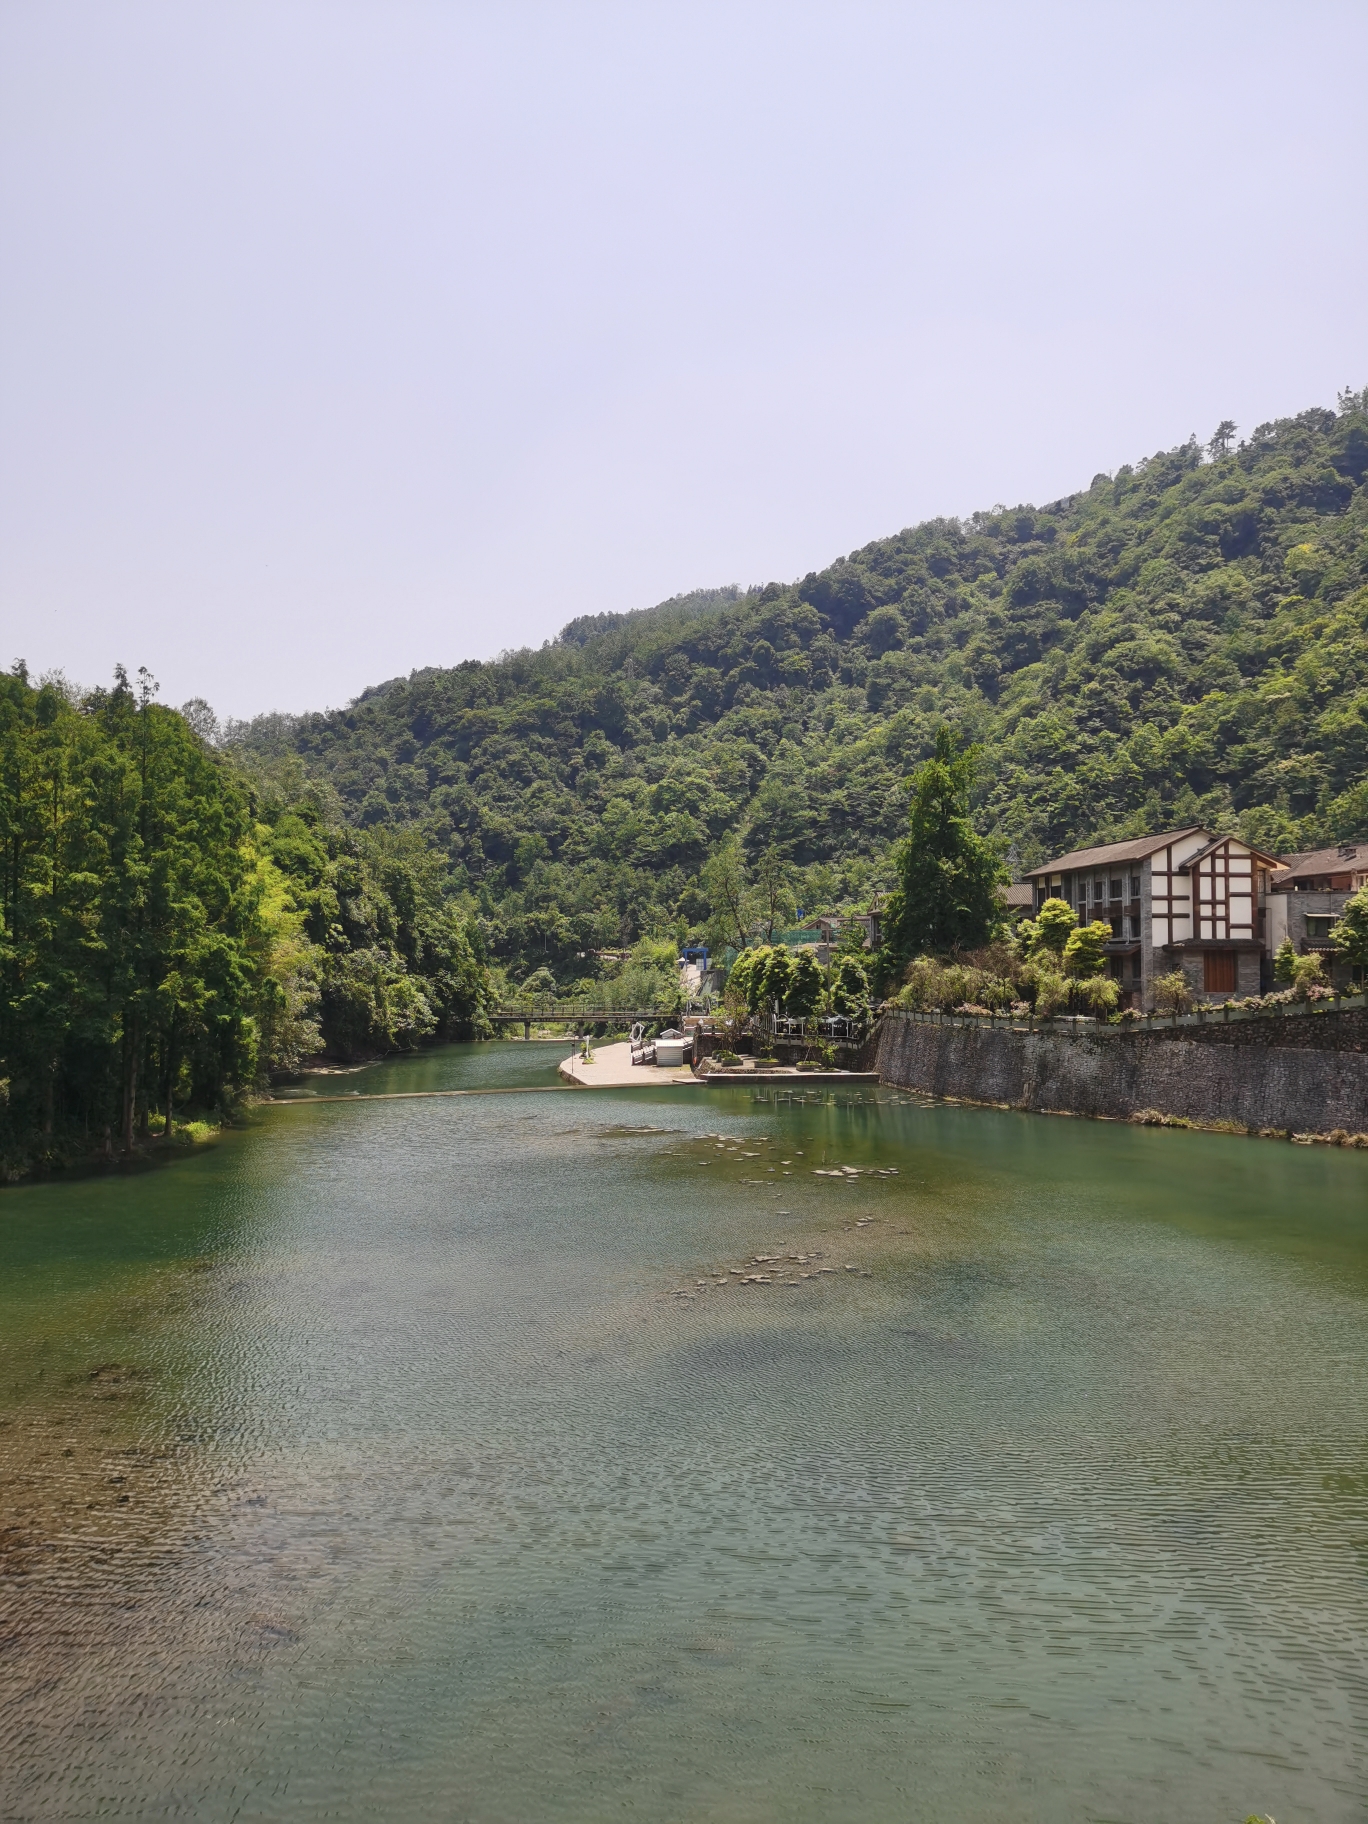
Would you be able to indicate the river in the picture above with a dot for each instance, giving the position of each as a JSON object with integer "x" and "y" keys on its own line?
{"x": 390, "y": 1460}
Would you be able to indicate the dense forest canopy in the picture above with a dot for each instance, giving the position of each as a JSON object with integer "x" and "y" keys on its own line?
{"x": 170, "y": 935}
{"x": 1185, "y": 639}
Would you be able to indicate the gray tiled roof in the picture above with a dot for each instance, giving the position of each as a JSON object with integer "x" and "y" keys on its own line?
{"x": 1345, "y": 858}
{"x": 1115, "y": 852}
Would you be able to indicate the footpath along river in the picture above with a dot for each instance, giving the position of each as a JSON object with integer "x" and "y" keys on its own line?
{"x": 428, "y": 1460}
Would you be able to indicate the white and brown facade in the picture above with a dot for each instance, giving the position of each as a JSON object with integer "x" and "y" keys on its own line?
{"x": 1186, "y": 900}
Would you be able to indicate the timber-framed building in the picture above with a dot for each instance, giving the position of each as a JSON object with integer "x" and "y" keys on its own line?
{"x": 1187, "y": 900}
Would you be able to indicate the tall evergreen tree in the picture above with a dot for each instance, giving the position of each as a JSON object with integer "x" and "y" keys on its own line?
{"x": 946, "y": 897}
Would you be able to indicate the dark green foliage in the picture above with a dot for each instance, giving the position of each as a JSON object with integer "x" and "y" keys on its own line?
{"x": 165, "y": 942}
{"x": 770, "y": 978}
{"x": 849, "y": 993}
{"x": 397, "y": 962}
{"x": 1184, "y": 640}
{"x": 807, "y": 985}
{"x": 1350, "y": 934}
{"x": 946, "y": 897}
{"x": 773, "y": 979}
{"x": 132, "y": 941}
{"x": 740, "y": 994}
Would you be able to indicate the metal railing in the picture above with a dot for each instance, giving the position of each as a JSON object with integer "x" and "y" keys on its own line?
{"x": 554, "y": 1008}
{"x": 829, "y": 1028}
{"x": 1219, "y": 1013}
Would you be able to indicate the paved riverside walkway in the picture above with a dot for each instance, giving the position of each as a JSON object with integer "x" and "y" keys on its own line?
{"x": 613, "y": 1068}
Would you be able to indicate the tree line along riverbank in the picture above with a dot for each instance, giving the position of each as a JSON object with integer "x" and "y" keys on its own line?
{"x": 188, "y": 907}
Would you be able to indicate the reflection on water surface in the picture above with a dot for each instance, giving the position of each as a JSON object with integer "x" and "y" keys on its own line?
{"x": 552, "y": 1457}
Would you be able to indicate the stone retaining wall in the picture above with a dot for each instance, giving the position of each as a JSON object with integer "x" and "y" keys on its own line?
{"x": 1303, "y": 1075}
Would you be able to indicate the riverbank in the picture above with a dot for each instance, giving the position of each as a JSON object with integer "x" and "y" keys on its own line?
{"x": 74, "y": 1157}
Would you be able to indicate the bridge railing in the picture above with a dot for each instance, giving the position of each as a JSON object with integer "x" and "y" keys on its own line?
{"x": 545, "y": 1008}
{"x": 832, "y": 1028}
{"x": 577, "y": 1010}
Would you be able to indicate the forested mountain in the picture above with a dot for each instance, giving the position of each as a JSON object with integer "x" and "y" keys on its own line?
{"x": 1184, "y": 639}
{"x": 183, "y": 911}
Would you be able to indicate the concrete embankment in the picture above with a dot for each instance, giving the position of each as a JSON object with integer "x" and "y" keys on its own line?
{"x": 1307, "y": 1073}
{"x": 612, "y": 1068}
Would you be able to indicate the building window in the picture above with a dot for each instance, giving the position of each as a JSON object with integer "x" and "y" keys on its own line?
{"x": 1218, "y": 971}
{"x": 1135, "y": 886}
{"x": 1116, "y": 889}
{"x": 1318, "y": 930}
{"x": 1134, "y": 928}
{"x": 1099, "y": 890}
{"x": 1136, "y": 970}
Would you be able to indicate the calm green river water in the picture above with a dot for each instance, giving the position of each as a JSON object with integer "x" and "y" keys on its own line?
{"x": 389, "y": 1461}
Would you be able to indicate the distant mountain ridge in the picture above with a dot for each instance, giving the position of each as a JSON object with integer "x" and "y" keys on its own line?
{"x": 678, "y": 610}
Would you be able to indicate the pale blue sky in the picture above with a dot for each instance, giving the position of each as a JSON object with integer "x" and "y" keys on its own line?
{"x": 337, "y": 339}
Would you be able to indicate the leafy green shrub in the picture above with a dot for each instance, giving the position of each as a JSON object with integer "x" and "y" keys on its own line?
{"x": 1083, "y": 949}
{"x": 807, "y": 985}
{"x": 1051, "y": 992}
{"x": 773, "y": 980}
{"x": 1308, "y": 975}
{"x": 1350, "y": 935}
{"x": 849, "y": 986}
{"x": 933, "y": 986}
{"x": 1099, "y": 993}
{"x": 539, "y": 986}
{"x": 1172, "y": 994}
{"x": 1050, "y": 929}
{"x": 738, "y": 986}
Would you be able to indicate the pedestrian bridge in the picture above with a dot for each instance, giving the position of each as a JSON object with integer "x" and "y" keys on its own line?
{"x": 580, "y": 1015}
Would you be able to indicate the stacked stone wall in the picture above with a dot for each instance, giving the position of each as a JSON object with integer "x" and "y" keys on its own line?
{"x": 1304, "y": 1075}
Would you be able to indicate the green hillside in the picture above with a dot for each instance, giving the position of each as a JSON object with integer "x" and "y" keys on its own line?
{"x": 1186, "y": 638}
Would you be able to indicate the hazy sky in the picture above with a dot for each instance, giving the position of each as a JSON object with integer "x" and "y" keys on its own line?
{"x": 338, "y": 339}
